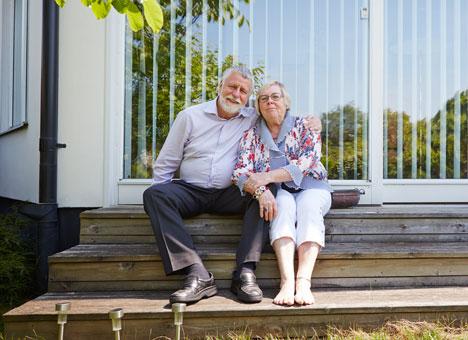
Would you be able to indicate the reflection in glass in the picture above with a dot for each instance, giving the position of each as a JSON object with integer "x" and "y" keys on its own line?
{"x": 425, "y": 89}
{"x": 317, "y": 48}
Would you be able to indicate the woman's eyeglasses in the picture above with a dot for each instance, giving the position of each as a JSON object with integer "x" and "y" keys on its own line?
{"x": 274, "y": 96}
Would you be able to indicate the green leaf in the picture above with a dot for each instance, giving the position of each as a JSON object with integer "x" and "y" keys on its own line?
{"x": 61, "y": 3}
{"x": 153, "y": 14}
{"x": 101, "y": 8}
{"x": 120, "y": 5}
{"x": 240, "y": 21}
{"x": 135, "y": 18}
{"x": 87, "y": 3}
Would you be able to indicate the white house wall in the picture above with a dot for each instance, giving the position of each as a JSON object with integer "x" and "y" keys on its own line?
{"x": 19, "y": 156}
{"x": 81, "y": 107}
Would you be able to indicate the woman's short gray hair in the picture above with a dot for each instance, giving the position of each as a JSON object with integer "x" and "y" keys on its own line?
{"x": 242, "y": 70}
{"x": 284, "y": 93}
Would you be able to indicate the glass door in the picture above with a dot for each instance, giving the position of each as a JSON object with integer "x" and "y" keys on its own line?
{"x": 318, "y": 49}
{"x": 425, "y": 101}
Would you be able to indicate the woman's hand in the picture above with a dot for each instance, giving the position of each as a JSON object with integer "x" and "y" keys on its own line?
{"x": 255, "y": 181}
{"x": 267, "y": 206}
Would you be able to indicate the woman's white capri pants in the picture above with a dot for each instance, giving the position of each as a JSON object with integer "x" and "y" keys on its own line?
{"x": 300, "y": 216}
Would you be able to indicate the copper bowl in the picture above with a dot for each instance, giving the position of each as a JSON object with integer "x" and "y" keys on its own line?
{"x": 346, "y": 198}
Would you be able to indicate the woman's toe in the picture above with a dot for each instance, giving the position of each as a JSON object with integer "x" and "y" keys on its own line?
{"x": 298, "y": 299}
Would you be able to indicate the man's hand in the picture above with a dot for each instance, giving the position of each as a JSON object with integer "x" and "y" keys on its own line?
{"x": 267, "y": 206}
{"x": 313, "y": 123}
{"x": 255, "y": 181}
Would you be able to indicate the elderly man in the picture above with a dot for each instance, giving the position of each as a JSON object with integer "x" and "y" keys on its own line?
{"x": 203, "y": 144}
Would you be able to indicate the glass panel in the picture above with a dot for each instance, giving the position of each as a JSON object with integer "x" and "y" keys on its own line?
{"x": 19, "y": 60}
{"x": 340, "y": 86}
{"x": 6, "y": 63}
{"x": 425, "y": 89}
{"x": 317, "y": 48}
{"x": 13, "y": 37}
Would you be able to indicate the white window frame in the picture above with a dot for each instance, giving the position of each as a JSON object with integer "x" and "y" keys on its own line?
{"x": 13, "y": 65}
{"x": 114, "y": 108}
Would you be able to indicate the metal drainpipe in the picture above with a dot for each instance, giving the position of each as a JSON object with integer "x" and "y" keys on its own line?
{"x": 46, "y": 212}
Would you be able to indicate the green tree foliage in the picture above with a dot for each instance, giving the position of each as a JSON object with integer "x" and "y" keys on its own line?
{"x": 422, "y": 129}
{"x": 134, "y": 10}
{"x": 142, "y": 77}
{"x": 352, "y": 165}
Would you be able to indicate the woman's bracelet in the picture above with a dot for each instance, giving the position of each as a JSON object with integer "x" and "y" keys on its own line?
{"x": 259, "y": 191}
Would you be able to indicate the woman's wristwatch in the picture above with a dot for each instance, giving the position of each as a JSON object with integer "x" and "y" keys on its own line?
{"x": 259, "y": 191}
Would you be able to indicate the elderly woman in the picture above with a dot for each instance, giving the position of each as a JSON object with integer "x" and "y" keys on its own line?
{"x": 279, "y": 149}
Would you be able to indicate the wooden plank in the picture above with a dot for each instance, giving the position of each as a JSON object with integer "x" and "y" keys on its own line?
{"x": 391, "y": 267}
{"x": 297, "y": 326}
{"x": 389, "y": 238}
{"x": 206, "y": 226}
{"x": 147, "y": 316}
{"x": 270, "y": 283}
{"x": 403, "y": 211}
{"x": 148, "y": 252}
{"x": 201, "y": 226}
{"x": 116, "y": 239}
{"x": 301, "y": 326}
{"x": 132, "y": 239}
{"x": 222, "y": 269}
{"x": 391, "y": 211}
{"x": 234, "y": 239}
{"x": 397, "y": 226}
{"x": 233, "y": 227}
{"x": 212, "y": 229}
{"x": 137, "y": 212}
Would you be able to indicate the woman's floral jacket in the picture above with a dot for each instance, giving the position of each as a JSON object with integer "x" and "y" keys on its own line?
{"x": 301, "y": 147}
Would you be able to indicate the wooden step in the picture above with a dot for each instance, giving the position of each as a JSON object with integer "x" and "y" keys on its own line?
{"x": 350, "y": 265}
{"x": 148, "y": 316}
{"x": 393, "y": 223}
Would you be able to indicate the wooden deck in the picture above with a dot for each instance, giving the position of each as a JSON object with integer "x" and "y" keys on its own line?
{"x": 149, "y": 314}
{"x": 379, "y": 263}
{"x": 395, "y": 223}
{"x": 344, "y": 265}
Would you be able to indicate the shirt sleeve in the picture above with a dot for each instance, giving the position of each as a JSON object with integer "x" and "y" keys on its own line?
{"x": 309, "y": 152}
{"x": 245, "y": 160}
{"x": 172, "y": 152}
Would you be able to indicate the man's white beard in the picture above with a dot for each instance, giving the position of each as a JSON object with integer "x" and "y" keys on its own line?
{"x": 229, "y": 107}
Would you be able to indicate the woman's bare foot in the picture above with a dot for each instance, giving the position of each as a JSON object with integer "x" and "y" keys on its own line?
{"x": 303, "y": 294}
{"x": 286, "y": 294}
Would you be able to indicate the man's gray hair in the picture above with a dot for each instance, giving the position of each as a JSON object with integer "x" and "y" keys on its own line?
{"x": 244, "y": 71}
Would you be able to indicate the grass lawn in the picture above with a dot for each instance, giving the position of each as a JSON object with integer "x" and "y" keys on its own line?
{"x": 395, "y": 330}
{"x": 405, "y": 330}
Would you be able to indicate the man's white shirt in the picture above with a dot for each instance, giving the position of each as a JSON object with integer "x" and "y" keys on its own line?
{"x": 203, "y": 145}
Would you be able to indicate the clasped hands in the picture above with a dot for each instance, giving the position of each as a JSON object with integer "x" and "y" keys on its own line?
{"x": 267, "y": 202}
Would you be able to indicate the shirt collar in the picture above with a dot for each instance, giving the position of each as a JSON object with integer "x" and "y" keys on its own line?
{"x": 211, "y": 108}
{"x": 265, "y": 133}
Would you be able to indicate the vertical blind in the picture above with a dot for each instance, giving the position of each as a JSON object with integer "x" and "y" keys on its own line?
{"x": 425, "y": 89}
{"x": 318, "y": 49}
